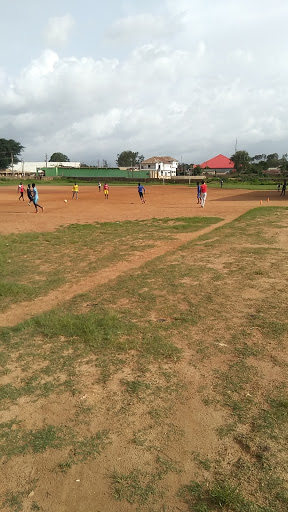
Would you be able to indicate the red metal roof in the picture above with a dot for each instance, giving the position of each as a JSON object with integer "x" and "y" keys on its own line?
{"x": 218, "y": 162}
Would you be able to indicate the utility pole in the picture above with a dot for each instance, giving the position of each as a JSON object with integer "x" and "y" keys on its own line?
{"x": 236, "y": 146}
{"x": 12, "y": 164}
{"x": 46, "y": 160}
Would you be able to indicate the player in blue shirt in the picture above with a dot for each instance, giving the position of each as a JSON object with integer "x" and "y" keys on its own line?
{"x": 36, "y": 198}
{"x": 198, "y": 192}
{"x": 141, "y": 192}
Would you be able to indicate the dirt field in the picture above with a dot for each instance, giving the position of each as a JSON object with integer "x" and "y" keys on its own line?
{"x": 126, "y": 393}
{"x": 123, "y": 204}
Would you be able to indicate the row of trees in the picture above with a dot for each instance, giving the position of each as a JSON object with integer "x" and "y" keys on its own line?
{"x": 258, "y": 164}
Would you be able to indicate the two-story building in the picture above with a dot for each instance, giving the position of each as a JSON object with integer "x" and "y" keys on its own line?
{"x": 160, "y": 166}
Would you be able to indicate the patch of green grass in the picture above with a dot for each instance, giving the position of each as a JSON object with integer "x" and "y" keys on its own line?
{"x": 84, "y": 449}
{"x": 203, "y": 462}
{"x": 273, "y": 417}
{"x": 14, "y": 500}
{"x": 134, "y": 487}
{"x": 201, "y": 497}
{"x": 70, "y": 243}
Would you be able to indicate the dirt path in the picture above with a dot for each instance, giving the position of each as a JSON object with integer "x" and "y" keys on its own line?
{"x": 25, "y": 310}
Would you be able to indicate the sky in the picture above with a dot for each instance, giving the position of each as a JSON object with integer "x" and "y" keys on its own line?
{"x": 178, "y": 78}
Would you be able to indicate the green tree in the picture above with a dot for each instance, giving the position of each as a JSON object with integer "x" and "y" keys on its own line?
{"x": 9, "y": 151}
{"x": 59, "y": 157}
{"x": 284, "y": 163}
{"x": 273, "y": 160}
{"x": 129, "y": 159}
{"x": 241, "y": 160}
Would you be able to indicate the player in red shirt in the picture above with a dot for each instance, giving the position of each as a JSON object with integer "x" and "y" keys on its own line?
{"x": 21, "y": 190}
{"x": 203, "y": 193}
{"x": 106, "y": 191}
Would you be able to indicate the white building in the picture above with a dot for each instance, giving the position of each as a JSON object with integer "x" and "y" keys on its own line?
{"x": 22, "y": 168}
{"x": 160, "y": 166}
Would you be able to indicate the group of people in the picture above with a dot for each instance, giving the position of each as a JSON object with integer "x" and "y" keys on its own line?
{"x": 201, "y": 193}
{"x": 33, "y": 197}
{"x": 283, "y": 188}
{"x": 32, "y": 194}
{"x": 75, "y": 191}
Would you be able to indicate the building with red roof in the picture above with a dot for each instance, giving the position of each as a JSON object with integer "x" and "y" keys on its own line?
{"x": 220, "y": 164}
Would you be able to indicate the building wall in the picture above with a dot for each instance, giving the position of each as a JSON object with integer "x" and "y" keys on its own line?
{"x": 31, "y": 167}
{"x": 94, "y": 173}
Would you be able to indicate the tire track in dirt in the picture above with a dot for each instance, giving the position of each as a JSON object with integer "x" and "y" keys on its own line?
{"x": 25, "y": 310}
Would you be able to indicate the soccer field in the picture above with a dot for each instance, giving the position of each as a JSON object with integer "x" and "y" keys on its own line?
{"x": 143, "y": 351}
{"x": 123, "y": 204}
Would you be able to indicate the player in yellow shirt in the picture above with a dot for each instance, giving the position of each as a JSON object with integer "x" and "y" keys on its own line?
{"x": 75, "y": 191}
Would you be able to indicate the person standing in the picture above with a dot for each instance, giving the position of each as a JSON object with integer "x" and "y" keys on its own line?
{"x": 21, "y": 190}
{"x": 203, "y": 193}
{"x": 278, "y": 187}
{"x": 106, "y": 190}
{"x": 75, "y": 191}
{"x": 29, "y": 194}
{"x": 141, "y": 192}
{"x": 198, "y": 192}
{"x": 99, "y": 186}
{"x": 36, "y": 199}
{"x": 221, "y": 182}
{"x": 283, "y": 191}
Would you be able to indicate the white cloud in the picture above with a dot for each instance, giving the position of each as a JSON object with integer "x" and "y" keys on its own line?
{"x": 57, "y": 31}
{"x": 189, "y": 90}
{"x": 145, "y": 27}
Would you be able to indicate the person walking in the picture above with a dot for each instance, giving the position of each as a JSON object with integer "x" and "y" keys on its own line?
{"x": 21, "y": 190}
{"x": 99, "y": 186}
{"x": 75, "y": 190}
{"x": 283, "y": 191}
{"x": 203, "y": 193}
{"x": 106, "y": 190}
{"x": 198, "y": 192}
{"x": 36, "y": 199}
{"x": 141, "y": 192}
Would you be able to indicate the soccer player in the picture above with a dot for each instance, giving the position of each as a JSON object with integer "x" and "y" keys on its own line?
{"x": 141, "y": 192}
{"x": 99, "y": 186}
{"x": 29, "y": 194}
{"x": 36, "y": 199}
{"x": 21, "y": 189}
{"x": 203, "y": 193}
{"x": 106, "y": 190}
{"x": 75, "y": 190}
{"x": 198, "y": 192}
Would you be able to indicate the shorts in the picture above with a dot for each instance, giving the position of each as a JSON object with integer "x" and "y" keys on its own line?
{"x": 106, "y": 192}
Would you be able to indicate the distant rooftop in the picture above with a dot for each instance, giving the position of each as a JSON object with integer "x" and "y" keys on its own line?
{"x": 218, "y": 162}
{"x": 159, "y": 160}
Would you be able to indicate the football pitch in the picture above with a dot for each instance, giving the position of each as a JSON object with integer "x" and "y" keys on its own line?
{"x": 143, "y": 351}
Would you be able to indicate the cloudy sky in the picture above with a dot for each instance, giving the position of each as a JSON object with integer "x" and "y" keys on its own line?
{"x": 182, "y": 78}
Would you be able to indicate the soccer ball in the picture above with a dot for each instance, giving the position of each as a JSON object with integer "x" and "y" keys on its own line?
{"x": 65, "y": 200}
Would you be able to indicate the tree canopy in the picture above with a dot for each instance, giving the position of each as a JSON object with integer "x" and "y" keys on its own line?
{"x": 241, "y": 160}
{"x": 9, "y": 149}
{"x": 59, "y": 157}
{"x": 129, "y": 159}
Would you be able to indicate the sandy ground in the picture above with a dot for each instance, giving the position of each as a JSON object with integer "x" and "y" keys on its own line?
{"x": 86, "y": 487}
{"x": 123, "y": 204}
